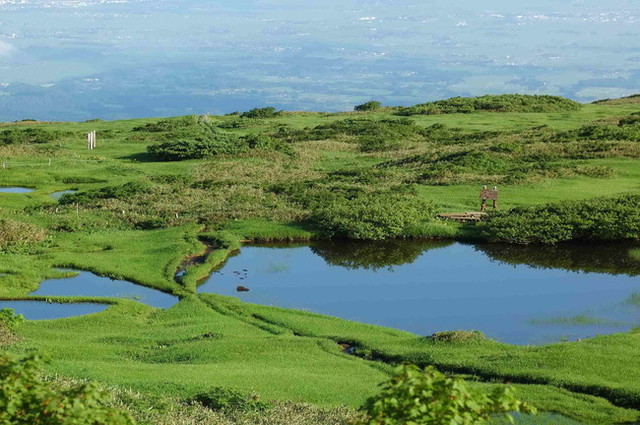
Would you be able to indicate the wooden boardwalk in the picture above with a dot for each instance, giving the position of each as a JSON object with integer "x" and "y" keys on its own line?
{"x": 463, "y": 217}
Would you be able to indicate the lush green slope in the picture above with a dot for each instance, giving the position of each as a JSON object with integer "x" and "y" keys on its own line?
{"x": 293, "y": 176}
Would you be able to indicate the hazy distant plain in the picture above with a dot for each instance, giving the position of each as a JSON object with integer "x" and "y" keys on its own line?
{"x": 75, "y": 60}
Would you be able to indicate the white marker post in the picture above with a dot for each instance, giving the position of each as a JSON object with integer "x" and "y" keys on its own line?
{"x": 91, "y": 140}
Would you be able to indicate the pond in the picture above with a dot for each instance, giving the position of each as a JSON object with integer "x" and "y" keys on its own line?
{"x": 60, "y": 194}
{"x": 41, "y": 310}
{"x": 518, "y": 295}
{"x": 15, "y": 190}
{"x": 87, "y": 284}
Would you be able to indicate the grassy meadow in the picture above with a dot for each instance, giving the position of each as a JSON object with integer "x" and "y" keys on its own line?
{"x": 158, "y": 192}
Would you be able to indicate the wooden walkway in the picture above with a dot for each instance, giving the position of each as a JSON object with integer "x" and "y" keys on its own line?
{"x": 463, "y": 217}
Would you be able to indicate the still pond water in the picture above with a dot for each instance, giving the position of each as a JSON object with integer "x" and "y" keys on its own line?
{"x": 518, "y": 295}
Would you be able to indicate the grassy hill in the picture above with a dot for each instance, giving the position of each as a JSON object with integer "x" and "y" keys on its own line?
{"x": 154, "y": 188}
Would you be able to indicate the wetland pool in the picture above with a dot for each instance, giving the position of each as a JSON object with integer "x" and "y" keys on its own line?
{"x": 517, "y": 295}
{"x": 15, "y": 190}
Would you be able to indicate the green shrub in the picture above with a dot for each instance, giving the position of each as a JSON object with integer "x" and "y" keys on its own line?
{"x": 493, "y": 103}
{"x": 26, "y": 399}
{"x": 169, "y": 124}
{"x": 180, "y": 150}
{"x": 9, "y": 319}
{"x": 371, "y": 217}
{"x": 375, "y": 144}
{"x": 597, "y": 219}
{"x": 268, "y": 112}
{"x": 428, "y": 397}
{"x": 457, "y": 336}
{"x": 15, "y": 136}
{"x": 126, "y": 190}
{"x": 371, "y": 105}
{"x": 219, "y": 398}
{"x": 18, "y": 236}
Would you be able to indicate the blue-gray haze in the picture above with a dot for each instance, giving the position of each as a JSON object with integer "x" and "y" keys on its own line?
{"x": 81, "y": 59}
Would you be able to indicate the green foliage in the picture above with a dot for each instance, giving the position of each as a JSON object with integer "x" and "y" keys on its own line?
{"x": 14, "y": 136}
{"x": 226, "y": 399}
{"x": 9, "y": 319}
{"x": 371, "y": 105}
{"x": 375, "y": 144}
{"x": 493, "y": 103}
{"x": 260, "y": 113}
{"x": 26, "y": 399}
{"x": 124, "y": 191}
{"x": 599, "y": 219}
{"x": 180, "y": 150}
{"x": 169, "y": 124}
{"x": 16, "y": 236}
{"x": 428, "y": 397}
{"x": 457, "y": 336}
{"x": 371, "y": 216}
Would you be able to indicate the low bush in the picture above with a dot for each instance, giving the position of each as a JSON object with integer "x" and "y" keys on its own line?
{"x": 15, "y": 136}
{"x": 179, "y": 150}
{"x": 169, "y": 124}
{"x": 26, "y": 399}
{"x": 598, "y": 219}
{"x": 219, "y": 398}
{"x": 457, "y": 336}
{"x": 371, "y": 216}
{"x": 428, "y": 397}
{"x": 18, "y": 236}
{"x": 126, "y": 190}
{"x": 268, "y": 112}
{"x": 493, "y": 103}
{"x": 371, "y": 105}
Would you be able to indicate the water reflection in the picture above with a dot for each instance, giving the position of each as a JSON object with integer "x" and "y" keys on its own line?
{"x": 613, "y": 258}
{"x": 373, "y": 256}
{"x": 15, "y": 190}
{"x": 42, "y": 310}
{"x": 87, "y": 284}
{"x": 520, "y": 295}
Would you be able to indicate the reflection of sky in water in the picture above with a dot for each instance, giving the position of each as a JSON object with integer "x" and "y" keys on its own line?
{"x": 42, "y": 310}
{"x": 456, "y": 287}
{"x": 77, "y": 59}
{"x": 87, "y": 284}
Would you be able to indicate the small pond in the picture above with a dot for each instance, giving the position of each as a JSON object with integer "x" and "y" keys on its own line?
{"x": 518, "y": 295}
{"x": 41, "y": 310}
{"x": 87, "y": 284}
{"x": 60, "y": 194}
{"x": 15, "y": 190}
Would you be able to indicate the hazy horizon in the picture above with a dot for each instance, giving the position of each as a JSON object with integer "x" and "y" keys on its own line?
{"x": 112, "y": 59}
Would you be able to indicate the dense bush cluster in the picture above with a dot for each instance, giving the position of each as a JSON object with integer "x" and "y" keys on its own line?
{"x": 628, "y": 128}
{"x": 15, "y": 136}
{"x": 260, "y": 113}
{"x": 179, "y": 150}
{"x": 124, "y": 191}
{"x": 18, "y": 236}
{"x": 25, "y": 398}
{"x": 493, "y": 103}
{"x": 171, "y": 124}
{"x": 227, "y": 399}
{"x": 371, "y": 105}
{"x": 428, "y": 397}
{"x": 371, "y": 216}
{"x": 598, "y": 219}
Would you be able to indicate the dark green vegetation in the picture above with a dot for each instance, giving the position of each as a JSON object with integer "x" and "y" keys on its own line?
{"x": 26, "y": 399}
{"x": 432, "y": 398}
{"x": 493, "y": 103}
{"x": 153, "y": 190}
